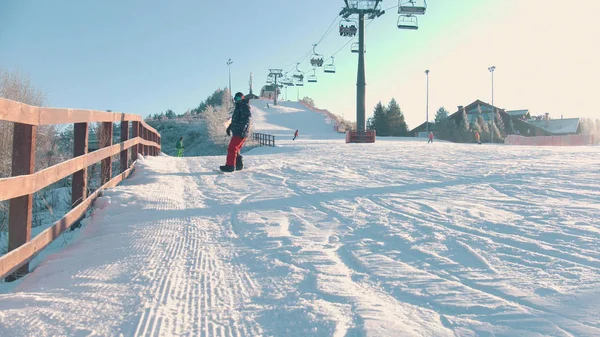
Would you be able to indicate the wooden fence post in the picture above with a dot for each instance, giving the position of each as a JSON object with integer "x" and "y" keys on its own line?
{"x": 154, "y": 153}
{"x": 21, "y": 208}
{"x": 141, "y": 135}
{"x": 124, "y": 137}
{"x": 80, "y": 148}
{"x": 145, "y": 136}
{"x": 135, "y": 130}
{"x": 107, "y": 136}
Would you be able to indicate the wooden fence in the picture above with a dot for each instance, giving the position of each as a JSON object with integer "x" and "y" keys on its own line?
{"x": 24, "y": 181}
{"x": 264, "y": 139}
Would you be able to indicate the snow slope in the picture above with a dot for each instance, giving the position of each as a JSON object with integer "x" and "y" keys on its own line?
{"x": 321, "y": 238}
{"x": 286, "y": 117}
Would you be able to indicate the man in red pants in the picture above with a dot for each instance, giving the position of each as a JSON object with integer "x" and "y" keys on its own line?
{"x": 238, "y": 129}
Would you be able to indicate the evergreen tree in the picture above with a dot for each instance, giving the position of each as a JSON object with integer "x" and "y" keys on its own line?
{"x": 484, "y": 127}
{"x": 170, "y": 114}
{"x": 443, "y": 126}
{"x": 475, "y": 127}
{"x": 500, "y": 126}
{"x": 463, "y": 133}
{"x": 370, "y": 124}
{"x": 379, "y": 120}
{"x": 395, "y": 119}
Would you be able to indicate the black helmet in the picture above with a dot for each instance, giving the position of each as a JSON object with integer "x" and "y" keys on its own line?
{"x": 238, "y": 97}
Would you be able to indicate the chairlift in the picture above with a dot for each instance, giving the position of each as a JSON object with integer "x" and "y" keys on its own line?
{"x": 348, "y": 28}
{"x": 269, "y": 79}
{"x": 410, "y": 7}
{"x": 298, "y": 76}
{"x": 287, "y": 81}
{"x": 312, "y": 78}
{"x": 330, "y": 68}
{"x": 409, "y": 22}
{"x": 355, "y": 47}
{"x": 316, "y": 60}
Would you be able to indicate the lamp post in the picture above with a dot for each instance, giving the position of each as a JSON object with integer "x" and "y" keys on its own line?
{"x": 427, "y": 104}
{"x": 491, "y": 69}
{"x": 229, "y": 68}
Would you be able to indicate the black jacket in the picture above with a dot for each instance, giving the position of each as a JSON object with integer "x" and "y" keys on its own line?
{"x": 240, "y": 121}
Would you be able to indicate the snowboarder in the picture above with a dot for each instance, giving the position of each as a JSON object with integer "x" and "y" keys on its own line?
{"x": 477, "y": 137}
{"x": 430, "y": 138}
{"x": 238, "y": 130}
{"x": 180, "y": 147}
{"x": 295, "y": 135}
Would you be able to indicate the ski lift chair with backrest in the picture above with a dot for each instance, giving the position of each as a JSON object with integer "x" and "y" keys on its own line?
{"x": 410, "y": 7}
{"x": 312, "y": 78}
{"x": 408, "y": 22}
{"x": 330, "y": 68}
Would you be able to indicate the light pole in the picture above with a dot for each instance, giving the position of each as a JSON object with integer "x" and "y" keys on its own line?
{"x": 491, "y": 69}
{"x": 229, "y": 68}
{"x": 427, "y": 104}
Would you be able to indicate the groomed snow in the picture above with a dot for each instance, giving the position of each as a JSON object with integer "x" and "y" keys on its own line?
{"x": 321, "y": 238}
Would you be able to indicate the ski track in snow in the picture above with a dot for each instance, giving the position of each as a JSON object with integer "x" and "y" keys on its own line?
{"x": 321, "y": 238}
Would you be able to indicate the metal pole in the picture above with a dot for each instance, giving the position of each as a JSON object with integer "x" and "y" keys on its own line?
{"x": 229, "y": 67}
{"x": 276, "y": 89}
{"x": 360, "y": 82}
{"x": 492, "y": 70}
{"x": 427, "y": 105}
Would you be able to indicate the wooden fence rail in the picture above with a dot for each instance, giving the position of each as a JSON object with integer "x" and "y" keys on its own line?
{"x": 264, "y": 139}
{"x": 24, "y": 181}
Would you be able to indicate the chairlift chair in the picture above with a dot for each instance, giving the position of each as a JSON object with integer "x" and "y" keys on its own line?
{"x": 316, "y": 60}
{"x": 287, "y": 81}
{"x": 298, "y": 76}
{"x": 355, "y": 46}
{"x": 312, "y": 78}
{"x": 330, "y": 68}
{"x": 348, "y": 28}
{"x": 410, "y": 7}
{"x": 408, "y": 22}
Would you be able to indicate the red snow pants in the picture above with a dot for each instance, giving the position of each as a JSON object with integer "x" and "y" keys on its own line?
{"x": 235, "y": 145}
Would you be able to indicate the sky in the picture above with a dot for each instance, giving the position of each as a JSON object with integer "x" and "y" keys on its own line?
{"x": 149, "y": 56}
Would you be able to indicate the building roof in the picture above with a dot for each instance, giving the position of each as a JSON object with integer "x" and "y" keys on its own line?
{"x": 557, "y": 126}
{"x": 422, "y": 127}
{"x": 517, "y": 113}
{"x": 472, "y": 109}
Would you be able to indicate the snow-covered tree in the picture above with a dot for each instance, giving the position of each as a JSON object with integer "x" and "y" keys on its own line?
{"x": 463, "y": 133}
{"x": 484, "y": 128}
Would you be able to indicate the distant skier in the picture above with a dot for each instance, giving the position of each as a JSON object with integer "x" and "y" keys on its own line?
{"x": 295, "y": 135}
{"x": 238, "y": 129}
{"x": 477, "y": 137}
{"x": 430, "y": 138}
{"x": 180, "y": 147}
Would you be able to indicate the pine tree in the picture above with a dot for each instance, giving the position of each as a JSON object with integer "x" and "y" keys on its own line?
{"x": 483, "y": 126}
{"x": 395, "y": 119}
{"x": 500, "y": 127}
{"x": 464, "y": 132}
{"x": 475, "y": 127}
{"x": 170, "y": 114}
{"x": 443, "y": 126}
{"x": 379, "y": 120}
